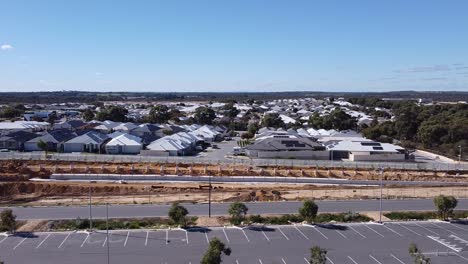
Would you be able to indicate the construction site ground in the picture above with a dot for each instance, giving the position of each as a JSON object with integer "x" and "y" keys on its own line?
{"x": 15, "y": 187}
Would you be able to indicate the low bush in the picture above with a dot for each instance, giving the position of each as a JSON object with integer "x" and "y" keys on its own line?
{"x": 422, "y": 215}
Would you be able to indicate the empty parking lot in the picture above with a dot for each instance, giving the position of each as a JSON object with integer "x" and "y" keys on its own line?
{"x": 350, "y": 243}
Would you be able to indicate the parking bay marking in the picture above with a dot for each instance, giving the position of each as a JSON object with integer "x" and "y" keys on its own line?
{"x": 399, "y": 260}
{"x": 427, "y": 229}
{"x": 283, "y": 233}
{"x": 43, "y": 241}
{"x": 246, "y": 237}
{"x": 64, "y": 240}
{"x": 350, "y": 258}
{"x": 341, "y": 234}
{"x": 372, "y": 257}
{"x": 206, "y": 235}
{"x": 301, "y": 233}
{"x": 374, "y": 231}
{"x": 393, "y": 230}
{"x": 443, "y": 228}
{"x": 21, "y": 242}
{"x": 284, "y": 262}
{"x": 414, "y": 232}
{"x": 330, "y": 260}
{"x": 227, "y": 238}
{"x": 316, "y": 229}
{"x": 3, "y": 239}
{"x": 87, "y": 236}
{"x": 146, "y": 240}
{"x": 357, "y": 232}
{"x": 445, "y": 243}
{"x": 265, "y": 236}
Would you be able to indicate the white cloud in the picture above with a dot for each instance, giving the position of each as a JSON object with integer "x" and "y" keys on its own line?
{"x": 6, "y": 47}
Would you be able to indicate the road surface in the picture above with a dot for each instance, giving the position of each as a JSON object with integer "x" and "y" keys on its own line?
{"x": 129, "y": 211}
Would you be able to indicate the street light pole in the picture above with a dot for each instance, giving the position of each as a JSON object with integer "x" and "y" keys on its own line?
{"x": 381, "y": 185}
{"x": 107, "y": 234}
{"x": 460, "y": 153}
{"x": 209, "y": 196}
{"x": 90, "y": 211}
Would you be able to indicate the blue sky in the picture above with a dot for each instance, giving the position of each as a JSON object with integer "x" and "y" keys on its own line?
{"x": 268, "y": 45}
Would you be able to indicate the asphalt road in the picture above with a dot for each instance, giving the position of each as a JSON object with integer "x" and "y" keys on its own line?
{"x": 128, "y": 211}
{"x": 366, "y": 243}
{"x": 243, "y": 179}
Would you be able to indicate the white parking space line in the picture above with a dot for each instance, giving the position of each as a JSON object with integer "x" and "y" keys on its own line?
{"x": 412, "y": 231}
{"x": 329, "y": 260}
{"x": 21, "y": 242}
{"x": 374, "y": 231}
{"x": 301, "y": 233}
{"x": 426, "y": 229}
{"x": 146, "y": 240}
{"x": 461, "y": 256}
{"x": 459, "y": 227}
{"x": 341, "y": 234}
{"x": 104, "y": 243}
{"x": 246, "y": 237}
{"x": 186, "y": 236}
{"x": 64, "y": 240}
{"x": 167, "y": 236}
{"x": 372, "y": 257}
{"x": 281, "y": 231}
{"x": 461, "y": 240}
{"x": 43, "y": 241}
{"x": 259, "y": 260}
{"x": 445, "y": 243}
{"x": 393, "y": 230}
{"x": 206, "y": 235}
{"x": 237, "y": 262}
{"x": 397, "y": 259}
{"x": 227, "y": 238}
{"x": 126, "y": 239}
{"x": 350, "y": 258}
{"x": 357, "y": 232}
{"x": 84, "y": 241}
{"x": 306, "y": 261}
{"x": 316, "y": 229}
{"x": 284, "y": 262}
{"x": 3, "y": 239}
{"x": 443, "y": 228}
{"x": 263, "y": 232}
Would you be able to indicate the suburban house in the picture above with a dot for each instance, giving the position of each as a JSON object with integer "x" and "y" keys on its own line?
{"x": 54, "y": 139}
{"x": 124, "y": 144}
{"x": 168, "y": 147}
{"x": 92, "y": 142}
{"x": 366, "y": 151}
{"x": 284, "y": 146}
{"x": 73, "y": 125}
{"x": 15, "y": 140}
{"x": 27, "y": 126}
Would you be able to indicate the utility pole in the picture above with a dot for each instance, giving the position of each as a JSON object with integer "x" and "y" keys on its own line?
{"x": 90, "y": 211}
{"x": 381, "y": 185}
{"x": 209, "y": 196}
{"x": 107, "y": 234}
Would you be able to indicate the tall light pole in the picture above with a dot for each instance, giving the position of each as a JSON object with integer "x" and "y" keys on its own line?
{"x": 107, "y": 234}
{"x": 90, "y": 210}
{"x": 381, "y": 186}
{"x": 209, "y": 196}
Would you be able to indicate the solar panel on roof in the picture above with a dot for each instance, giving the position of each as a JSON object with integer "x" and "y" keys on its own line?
{"x": 370, "y": 144}
{"x": 377, "y": 148}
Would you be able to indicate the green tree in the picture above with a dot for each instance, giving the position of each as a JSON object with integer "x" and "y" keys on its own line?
{"x": 272, "y": 120}
{"x": 238, "y": 211}
{"x": 159, "y": 114}
{"x": 8, "y": 220}
{"x": 204, "y": 115}
{"x": 445, "y": 205}
{"x": 43, "y": 145}
{"x": 213, "y": 254}
{"x": 417, "y": 255}
{"x": 309, "y": 210}
{"x": 336, "y": 119}
{"x": 178, "y": 214}
{"x": 318, "y": 255}
{"x": 113, "y": 113}
{"x": 88, "y": 115}
{"x": 10, "y": 112}
{"x": 230, "y": 110}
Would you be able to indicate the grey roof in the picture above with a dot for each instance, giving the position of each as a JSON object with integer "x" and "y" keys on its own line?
{"x": 283, "y": 144}
{"x": 19, "y": 136}
{"x": 55, "y": 136}
{"x": 90, "y": 137}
